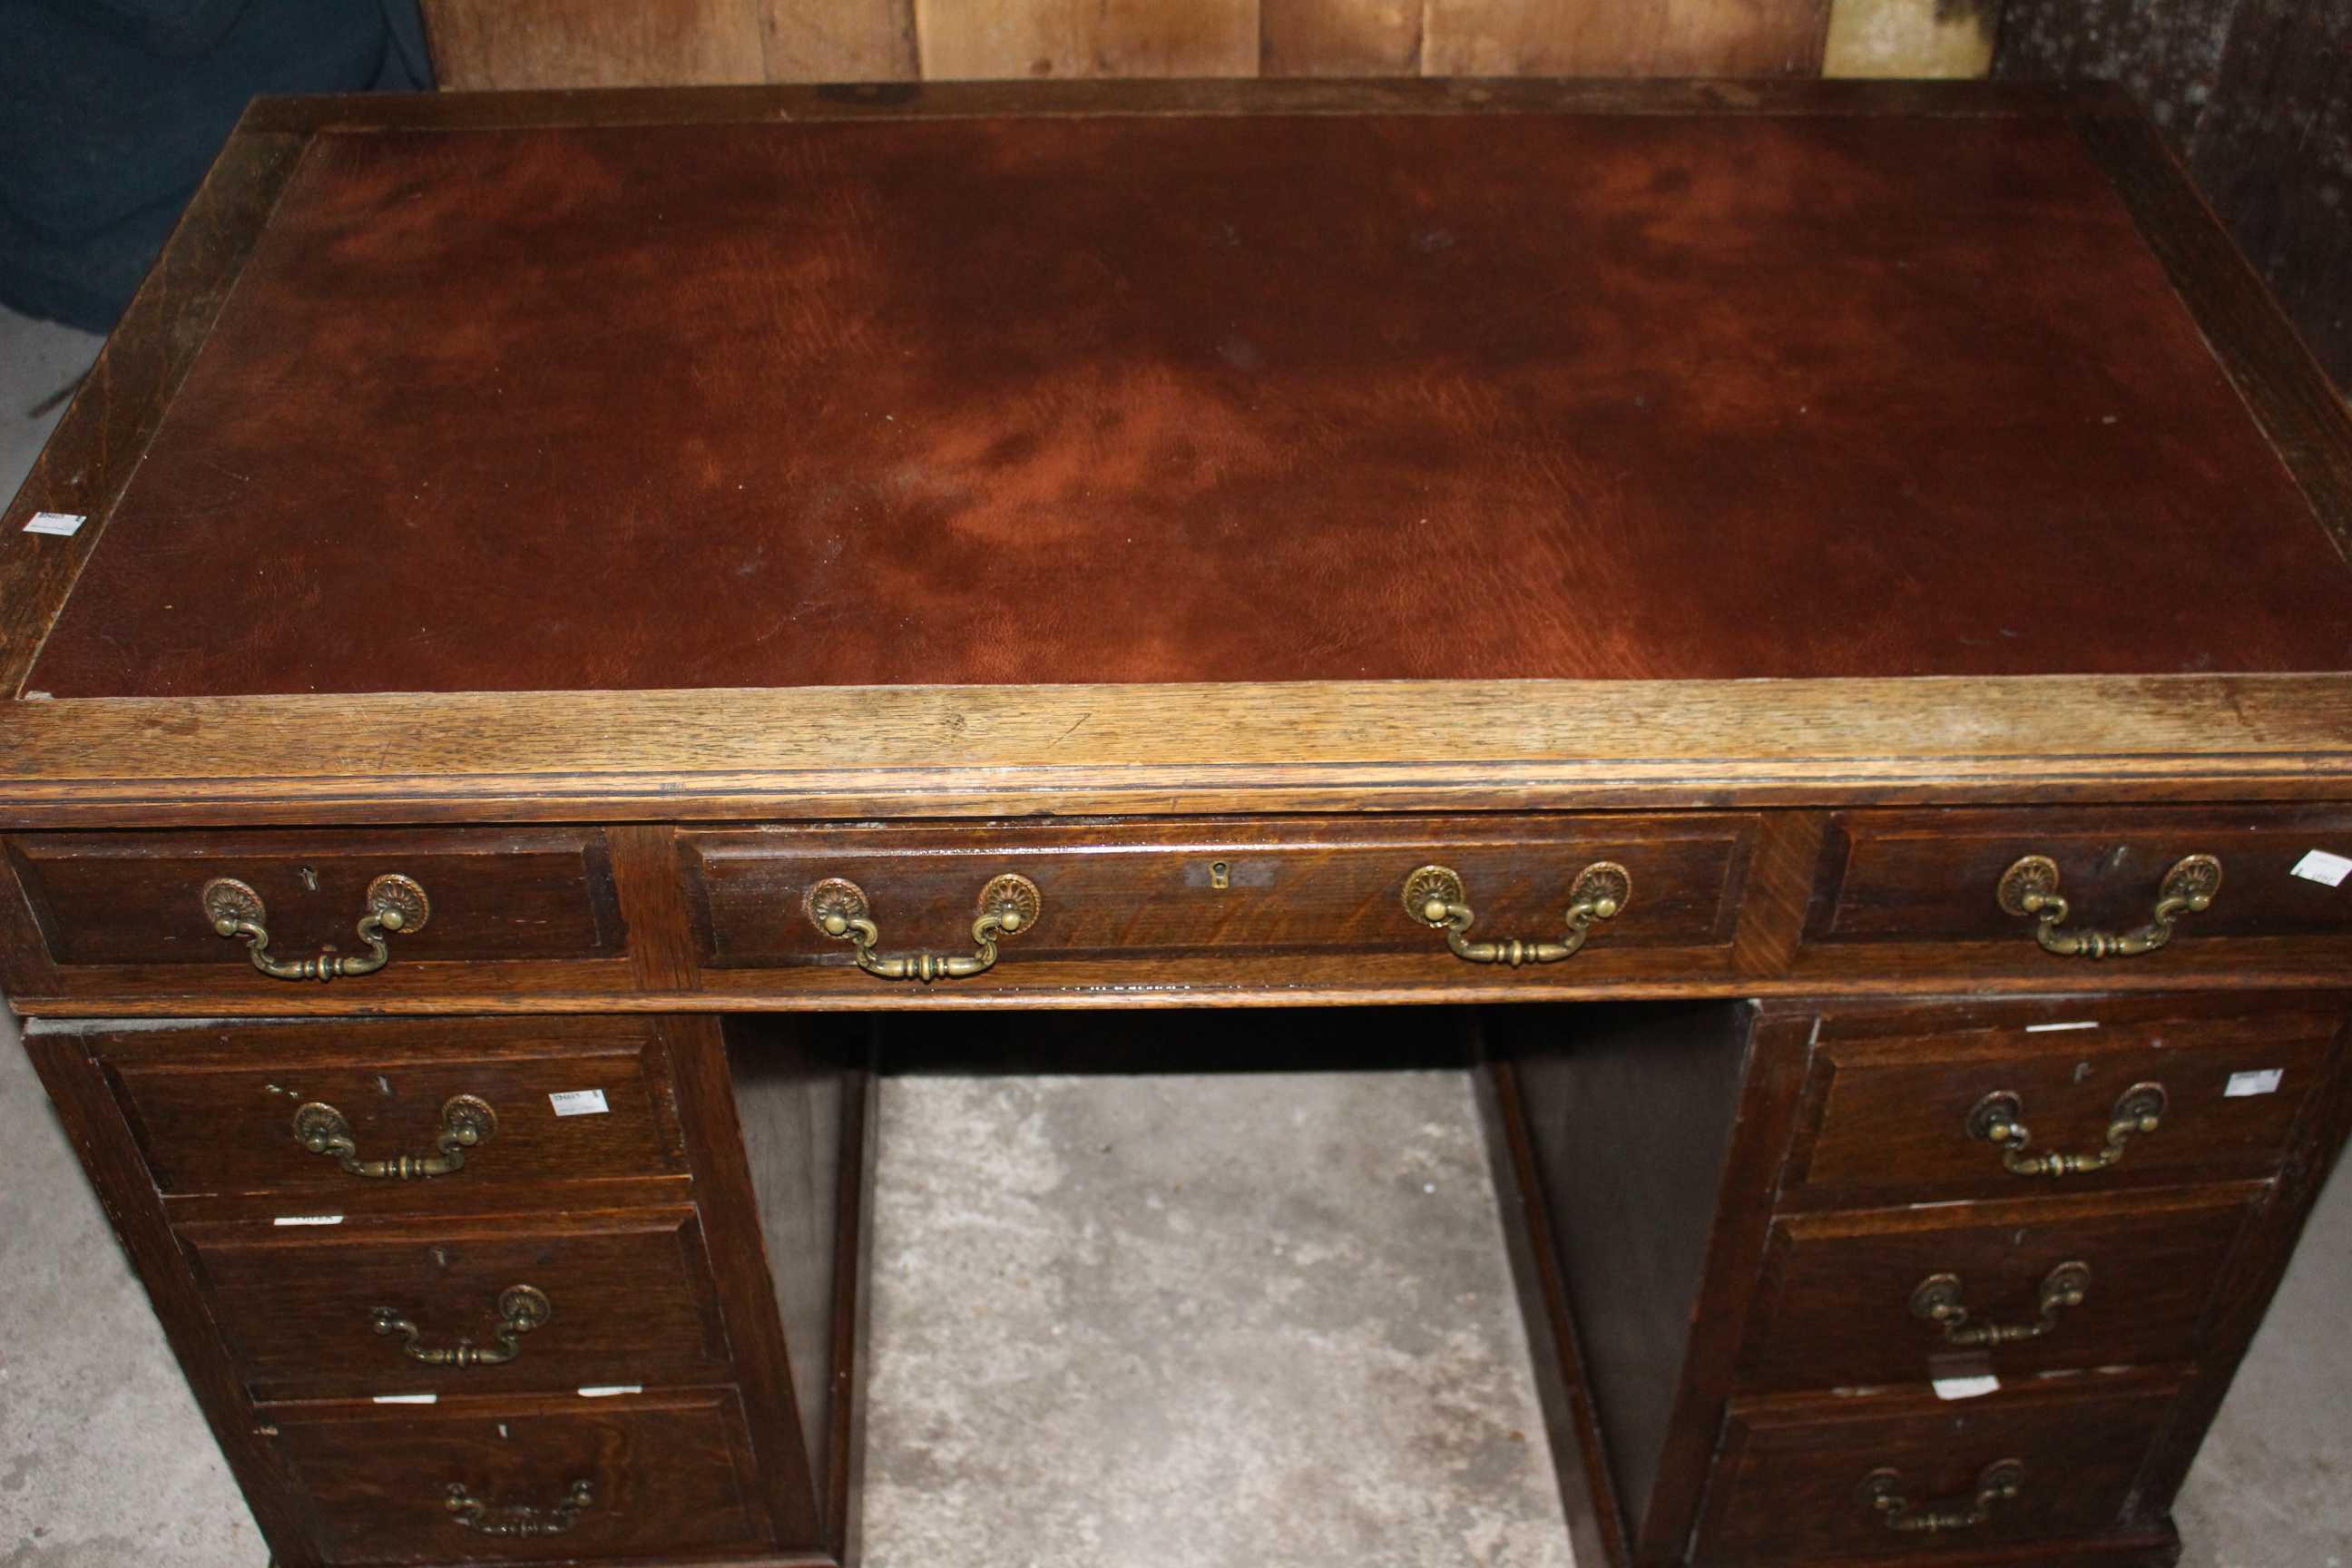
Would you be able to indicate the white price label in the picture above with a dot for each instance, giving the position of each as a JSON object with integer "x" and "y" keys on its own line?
{"x": 308, "y": 1219}
{"x": 2242, "y": 1084}
{"x": 64, "y": 524}
{"x": 407, "y": 1399}
{"x": 607, "y": 1390}
{"x": 2321, "y": 867}
{"x": 1966, "y": 1387}
{"x": 579, "y": 1102}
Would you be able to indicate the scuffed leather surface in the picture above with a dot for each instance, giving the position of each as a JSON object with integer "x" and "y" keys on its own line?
{"x": 1219, "y": 399}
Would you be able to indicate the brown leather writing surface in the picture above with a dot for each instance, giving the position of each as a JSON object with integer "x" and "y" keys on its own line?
{"x": 1132, "y": 398}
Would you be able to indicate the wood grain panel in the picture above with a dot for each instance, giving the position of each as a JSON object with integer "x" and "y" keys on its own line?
{"x": 672, "y": 1474}
{"x": 493, "y": 45}
{"x": 1785, "y": 1489}
{"x": 213, "y": 1104}
{"x": 631, "y": 1291}
{"x": 1836, "y": 1308}
{"x": 965, "y": 39}
{"x": 1623, "y": 37}
{"x": 837, "y": 40}
{"x": 1339, "y": 38}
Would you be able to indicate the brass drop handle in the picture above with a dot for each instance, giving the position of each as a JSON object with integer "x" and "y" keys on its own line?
{"x": 1995, "y": 1119}
{"x": 394, "y": 904}
{"x": 522, "y": 1307}
{"x": 1009, "y": 905}
{"x": 1882, "y": 1490}
{"x": 519, "y": 1519}
{"x": 2030, "y": 888}
{"x": 1939, "y": 1300}
{"x": 466, "y": 1123}
{"x": 1436, "y": 896}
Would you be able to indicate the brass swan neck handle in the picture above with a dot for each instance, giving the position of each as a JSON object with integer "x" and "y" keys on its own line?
{"x": 1997, "y": 1118}
{"x": 519, "y": 1519}
{"x": 838, "y": 907}
{"x": 1882, "y": 1490}
{"x": 467, "y": 1121}
{"x": 1939, "y": 1300}
{"x": 1434, "y": 895}
{"x": 2030, "y": 888}
{"x": 522, "y": 1307}
{"x": 394, "y": 904}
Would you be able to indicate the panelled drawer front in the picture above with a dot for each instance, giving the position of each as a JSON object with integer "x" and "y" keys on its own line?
{"x": 216, "y": 1106}
{"x": 629, "y": 1297}
{"x": 1787, "y": 1485}
{"x": 1321, "y": 895}
{"x": 1836, "y": 1307}
{"x": 1898, "y": 876}
{"x": 1897, "y": 1113}
{"x": 665, "y": 1473}
{"x": 495, "y": 894}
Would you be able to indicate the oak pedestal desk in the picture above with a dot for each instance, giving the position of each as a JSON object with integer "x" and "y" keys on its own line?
{"x": 1806, "y": 626}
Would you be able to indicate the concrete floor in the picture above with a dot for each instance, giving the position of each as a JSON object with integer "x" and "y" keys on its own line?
{"x": 1063, "y": 1296}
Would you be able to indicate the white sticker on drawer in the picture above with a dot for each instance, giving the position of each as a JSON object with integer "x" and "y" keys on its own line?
{"x": 64, "y": 524}
{"x": 607, "y": 1390}
{"x": 407, "y": 1399}
{"x": 308, "y": 1219}
{"x": 2245, "y": 1083}
{"x": 2319, "y": 866}
{"x": 579, "y": 1102}
{"x": 1966, "y": 1387}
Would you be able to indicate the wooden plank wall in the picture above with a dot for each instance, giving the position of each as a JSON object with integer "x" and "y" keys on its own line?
{"x": 480, "y": 44}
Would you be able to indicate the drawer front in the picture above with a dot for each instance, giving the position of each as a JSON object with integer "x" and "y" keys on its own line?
{"x": 1788, "y": 1485}
{"x": 1306, "y": 897}
{"x": 224, "y": 1108}
{"x": 664, "y": 1473}
{"x": 136, "y": 900}
{"x": 1890, "y": 877}
{"x": 1849, "y": 1297}
{"x": 622, "y": 1297}
{"x": 1917, "y": 1112}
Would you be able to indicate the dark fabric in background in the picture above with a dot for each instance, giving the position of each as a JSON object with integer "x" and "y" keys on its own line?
{"x": 110, "y": 112}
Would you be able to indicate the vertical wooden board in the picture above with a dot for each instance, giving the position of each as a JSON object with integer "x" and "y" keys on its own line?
{"x": 1339, "y": 38}
{"x": 1623, "y": 37}
{"x": 493, "y": 44}
{"x": 1911, "y": 39}
{"x": 998, "y": 40}
{"x": 838, "y": 40}
{"x": 2273, "y": 156}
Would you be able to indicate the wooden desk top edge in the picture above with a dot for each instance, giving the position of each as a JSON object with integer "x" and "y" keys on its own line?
{"x": 961, "y": 751}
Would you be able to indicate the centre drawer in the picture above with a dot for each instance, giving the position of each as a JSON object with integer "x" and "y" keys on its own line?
{"x": 632, "y": 1475}
{"x": 1330, "y": 902}
{"x": 384, "y": 1306}
{"x": 1901, "y": 1296}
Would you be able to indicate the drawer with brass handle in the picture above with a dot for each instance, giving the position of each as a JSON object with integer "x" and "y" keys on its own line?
{"x": 2014, "y": 1103}
{"x": 1344, "y": 904}
{"x": 389, "y": 1111}
{"x": 2043, "y": 893}
{"x": 1834, "y": 1477}
{"x": 522, "y": 1478}
{"x": 1875, "y": 1297}
{"x": 383, "y": 913}
{"x": 391, "y": 1305}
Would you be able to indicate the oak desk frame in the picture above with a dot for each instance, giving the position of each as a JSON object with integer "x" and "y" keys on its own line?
{"x": 643, "y": 765}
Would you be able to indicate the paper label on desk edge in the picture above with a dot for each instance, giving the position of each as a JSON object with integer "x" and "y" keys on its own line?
{"x": 64, "y": 524}
{"x": 308, "y": 1219}
{"x": 606, "y": 1390}
{"x": 1966, "y": 1387}
{"x": 2321, "y": 867}
{"x": 406, "y": 1399}
{"x": 579, "y": 1102}
{"x": 2053, "y": 1028}
{"x": 2242, "y": 1084}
